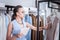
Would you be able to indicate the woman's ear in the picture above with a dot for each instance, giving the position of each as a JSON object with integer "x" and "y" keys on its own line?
{"x": 17, "y": 13}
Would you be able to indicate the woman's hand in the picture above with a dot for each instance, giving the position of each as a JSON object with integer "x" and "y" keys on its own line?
{"x": 20, "y": 35}
{"x": 40, "y": 28}
{"x": 25, "y": 31}
{"x": 45, "y": 27}
{"x": 33, "y": 27}
{"x": 13, "y": 38}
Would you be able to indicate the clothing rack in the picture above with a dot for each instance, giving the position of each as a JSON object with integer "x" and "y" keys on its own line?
{"x": 38, "y": 5}
{"x": 9, "y": 8}
{"x": 58, "y": 3}
{"x": 2, "y": 9}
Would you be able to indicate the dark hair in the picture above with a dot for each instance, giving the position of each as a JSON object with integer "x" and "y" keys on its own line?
{"x": 14, "y": 11}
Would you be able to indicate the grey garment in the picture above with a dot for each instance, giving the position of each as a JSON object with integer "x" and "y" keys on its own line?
{"x": 56, "y": 37}
{"x": 7, "y": 20}
{"x": 51, "y": 28}
{"x": 59, "y": 29}
{"x": 4, "y": 30}
{"x": 44, "y": 34}
{"x": 0, "y": 27}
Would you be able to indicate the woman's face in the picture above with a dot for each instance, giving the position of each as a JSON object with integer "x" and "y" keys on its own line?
{"x": 20, "y": 13}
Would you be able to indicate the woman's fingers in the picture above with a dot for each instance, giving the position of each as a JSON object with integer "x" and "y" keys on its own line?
{"x": 19, "y": 35}
{"x": 40, "y": 28}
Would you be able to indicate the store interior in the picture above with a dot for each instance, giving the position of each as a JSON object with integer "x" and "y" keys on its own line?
{"x": 38, "y": 13}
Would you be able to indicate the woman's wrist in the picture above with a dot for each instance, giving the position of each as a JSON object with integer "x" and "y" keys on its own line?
{"x": 43, "y": 28}
{"x": 13, "y": 38}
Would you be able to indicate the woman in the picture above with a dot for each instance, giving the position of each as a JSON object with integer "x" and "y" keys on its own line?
{"x": 17, "y": 24}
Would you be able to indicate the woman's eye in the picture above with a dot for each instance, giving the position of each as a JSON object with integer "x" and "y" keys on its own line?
{"x": 23, "y": 12}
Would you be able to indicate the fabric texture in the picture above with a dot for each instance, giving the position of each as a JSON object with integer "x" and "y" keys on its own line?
{"x": 0, "y": 27}
{"x": 56, "y": 37}
{"x": 52, "y": 24}
{"x": 7, "y": 19}
{"x": 29, "y": 20}
{"x": 3, "y": 27}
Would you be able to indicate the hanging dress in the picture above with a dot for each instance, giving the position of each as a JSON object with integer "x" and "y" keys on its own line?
{"x": 0, "y": 27}
{"x": 50, "y": 33}
{"x": 4, "y": 29}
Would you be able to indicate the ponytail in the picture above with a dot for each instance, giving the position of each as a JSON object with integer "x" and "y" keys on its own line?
{"x": 13, "y": 17}
{"x": 14, "y": 12}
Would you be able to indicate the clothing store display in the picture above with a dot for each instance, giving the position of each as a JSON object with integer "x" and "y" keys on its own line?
{"x": 10, "y": 13}
{"x": 41, "y": 25}
{"x": 30, "y": 16}
{"x": 0, "y": 27}
{"x": 56, "y": 37}
{"x": 3, "y": 27}
{"x": 29, "y": 20}
{"x": 52, "y": 25}
{"x": 7, "y": 19}
{"x": 17, "y": 29}
{"x": 34, "y": 22}
{"x": 44, "y": 31}
{"x": 59, "y": 29}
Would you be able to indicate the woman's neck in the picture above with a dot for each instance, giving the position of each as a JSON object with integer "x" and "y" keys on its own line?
{"x": 19, "y": 19}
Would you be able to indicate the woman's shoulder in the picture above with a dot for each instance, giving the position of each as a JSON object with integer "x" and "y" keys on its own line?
{"x": 12, "y": 22}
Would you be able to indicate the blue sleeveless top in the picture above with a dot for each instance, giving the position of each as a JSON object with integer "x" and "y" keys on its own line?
{"x": 17, "y": 29}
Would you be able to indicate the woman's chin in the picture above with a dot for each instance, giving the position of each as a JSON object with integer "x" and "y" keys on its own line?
{"x": 22, "y": 17}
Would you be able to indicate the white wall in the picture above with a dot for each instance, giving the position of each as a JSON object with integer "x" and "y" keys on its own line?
{"x": 27, "y": 3}
{"x": 2, "y": 1}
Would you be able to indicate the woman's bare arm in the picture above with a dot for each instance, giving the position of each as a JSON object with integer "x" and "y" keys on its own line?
{"x": 33, "y": 27}
{"x": 9, "y": 31}
{"x": 8, "y": 37}
{"x": 10, "y": 27}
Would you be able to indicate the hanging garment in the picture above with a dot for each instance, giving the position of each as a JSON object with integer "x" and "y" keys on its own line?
{"x": 34, "y": 22}
{"x": 52, "y": 24}
{"x": 44, "y": 31}
{"x": 44, "y": 34}
{"x": 56, "y": 37}
{"x": 41, "y": 25}
{"x": 17, "y": 29}
{"x": 29, "y": 20}
{"x": 59, "y": 29}
{"x": 7, "y": 19}
{"x": 10, "y": 13}
{"x": 4, "y": 30}
{"x": 1, "y": 27}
